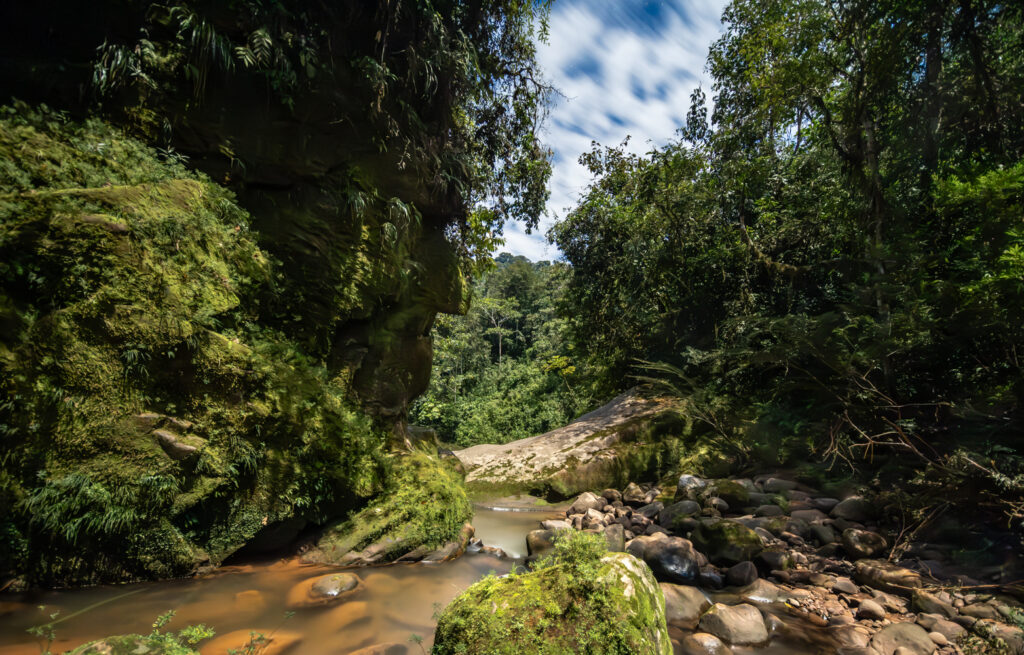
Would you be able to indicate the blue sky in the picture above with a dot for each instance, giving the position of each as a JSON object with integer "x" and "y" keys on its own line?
{"x": 626, "y": 67}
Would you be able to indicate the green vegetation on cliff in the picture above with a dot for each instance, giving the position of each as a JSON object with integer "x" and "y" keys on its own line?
{"x": 150, "y": 422}
{"x": 215, "y": 306}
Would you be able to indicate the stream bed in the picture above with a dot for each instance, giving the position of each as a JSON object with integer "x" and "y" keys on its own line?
{"x": 397, "y": 605}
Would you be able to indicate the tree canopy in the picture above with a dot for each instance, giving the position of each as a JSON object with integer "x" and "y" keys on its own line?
{"x": 833, "y": 263}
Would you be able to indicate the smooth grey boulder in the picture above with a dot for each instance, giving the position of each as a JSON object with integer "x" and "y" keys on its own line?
{"x": 633, "y": 495}
{"x": 740, "y": 575}
{"x": 870, "y": 610}
{"x": 555, "y": 525}
{"x": 739, "y": 625}
{"x": 585, "y": 501}
{"x": 702, "y": 643}
{"x": 778, "y": 485}
{"x": 854, "y": 508}
{"x": 910, "y": 636}
{"x": 684, "y": 604}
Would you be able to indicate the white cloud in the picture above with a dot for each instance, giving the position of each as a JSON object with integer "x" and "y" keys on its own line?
{"x": 626, "y": 67}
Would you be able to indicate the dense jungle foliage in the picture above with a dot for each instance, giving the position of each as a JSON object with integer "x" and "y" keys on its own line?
{"x": 505, "y": 370}
{"x": 222, "y": 247}
{"x": 834, "y": 262}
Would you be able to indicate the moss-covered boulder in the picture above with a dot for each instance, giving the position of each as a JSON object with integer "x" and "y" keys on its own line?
{"x": 157, "y": 415}
{"x": 736, "y": 495}
{"x": 423, "y": 508}
{"x": 580, "y": 600}
{"x": 726, "y": 542}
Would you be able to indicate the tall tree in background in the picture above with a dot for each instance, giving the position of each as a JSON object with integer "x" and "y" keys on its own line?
{"x": 506, "y": 369}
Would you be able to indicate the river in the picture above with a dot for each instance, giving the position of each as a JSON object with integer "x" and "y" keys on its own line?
{"x": 396, "y": 606}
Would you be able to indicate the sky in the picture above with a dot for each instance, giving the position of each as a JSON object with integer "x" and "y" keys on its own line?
{"x": 624, "y": 67}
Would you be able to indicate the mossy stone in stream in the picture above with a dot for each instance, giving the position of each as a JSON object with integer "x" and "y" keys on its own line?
{"x": 425, "y": 505}
{"x": 733, "y": 493}
{"x": 579, "y": 600}
{"x": 726, "y": 542}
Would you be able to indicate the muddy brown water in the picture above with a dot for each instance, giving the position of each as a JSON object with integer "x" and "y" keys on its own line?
{"x": 398, "y": 603}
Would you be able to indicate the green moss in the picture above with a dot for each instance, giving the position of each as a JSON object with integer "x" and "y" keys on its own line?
{"x": 424, "y": 505}
{"x": 726, "y": 542}
{"x": 580, "y": 600}
{"x": 130, "y": 285}
{"x": 735, "y": 494}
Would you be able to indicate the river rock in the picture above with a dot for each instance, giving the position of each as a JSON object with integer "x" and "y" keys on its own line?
{"x": 854, "y": 508}
{"x": 768, "y": 511}
{"x": 727, "y": 542}
{"x": 676, "y": 511}
{"x": 886, "y": 576}
{"x": 612, "y": 496}
{"x": 929, "y": 603}
{"x": 903, "y": 635}
{"x": 733, "y": 493}
{"x": 823, "y": 534}
{"x": 741, "y": 575}
{"x": 809, "y": 515}
{"x": 824, "y": 504}
{"x": 739, "y": 625}
{"x": 615, "y": 536}
{"x": 765, "y": 591}
{"x": 861, "y": 544}
{"x": 778, "y": 485}
{"x": 672, "y": 559}
{"x": 937, "y": 623}
{"x": 593, "y": 452}
{"x": 585, "y": 501}
{"x": 555, "y": 525}
{"x": 702, "y": 643}
{"x": 870, "y": 610}
{"x": 844, "y": 586}
{"x": 322, "y": 590}
{"x": 651, "y": 510}
{"x": 683, "y": 604}
{"x": 633, "y": 495}
{"x": 539, "y": 542}
{"x": 689, "y": 486}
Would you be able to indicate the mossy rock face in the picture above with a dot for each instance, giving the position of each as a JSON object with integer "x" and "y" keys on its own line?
{"x": 159, "y": 411}
{"x": 726, "y": 542}
{"x": 573, "y": 603}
